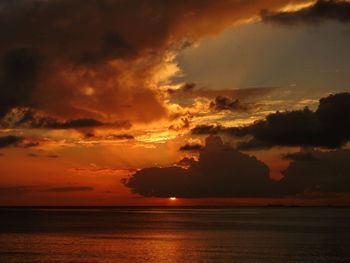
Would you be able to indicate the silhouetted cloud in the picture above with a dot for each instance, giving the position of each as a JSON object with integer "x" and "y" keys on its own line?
{"x": 317, "y": 171}
{"x": 17, "y": 141}
{"x": 26, "y": 118}
{"x": 183, "y": 125}
{"x": 10, "y": 140}
{"x": 191, "y": 147}
{"x": 220, "y": 172}
{"x": 222, "y": 103}
{"x": 321, "y": 10}
{"x": 327, "y": 127}
{"x": 68, "y": 189}
{"x": 205, "y": 129}
{"x": 190, "y": 91}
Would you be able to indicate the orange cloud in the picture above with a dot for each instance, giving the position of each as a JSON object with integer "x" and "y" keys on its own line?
{"x": 104, "y": 59}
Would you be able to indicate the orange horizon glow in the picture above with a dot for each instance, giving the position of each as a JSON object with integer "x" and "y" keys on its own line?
{"x": 98, "y": 102}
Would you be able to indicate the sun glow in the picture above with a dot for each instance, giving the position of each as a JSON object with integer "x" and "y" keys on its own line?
{"x": 172, "y": 198}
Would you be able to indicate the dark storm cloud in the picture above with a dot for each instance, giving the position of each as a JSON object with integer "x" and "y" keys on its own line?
{"x": 222, "y": 103}
{"x": 96, "y": 59}
{"x": 328, "y": 127}
{"x": 114, "y": 46}
{"x": 220, "y": 172}
{"x": 317, "y": 171}
{"x": 68, "y": 189}
{"x": 322, "y": 10}
{"x": 191, "y": 147}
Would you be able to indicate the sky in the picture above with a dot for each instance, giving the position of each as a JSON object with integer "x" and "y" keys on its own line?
{"x": 119, "y": 102}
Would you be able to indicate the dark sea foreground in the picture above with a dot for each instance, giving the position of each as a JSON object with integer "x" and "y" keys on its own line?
{"x": 265, "y": 234}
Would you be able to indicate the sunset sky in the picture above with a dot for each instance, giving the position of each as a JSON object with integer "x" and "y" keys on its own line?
{"x": 131, "y": 102}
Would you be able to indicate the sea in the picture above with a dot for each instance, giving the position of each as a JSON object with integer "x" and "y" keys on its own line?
{"x": 174, "y": 234}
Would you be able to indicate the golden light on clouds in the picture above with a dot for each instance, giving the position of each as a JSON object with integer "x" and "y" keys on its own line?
{"x": 292, "y": 7}
{"x": 110, "y": 94}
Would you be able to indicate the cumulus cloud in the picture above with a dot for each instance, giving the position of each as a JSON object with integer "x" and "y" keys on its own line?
{"x": 220, "y": 172}
{"x": 321, "y": 10}
{"x": 326, "y": 127}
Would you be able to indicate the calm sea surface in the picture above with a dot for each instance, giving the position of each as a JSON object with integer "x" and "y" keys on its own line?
{"x": 175, "y": 235}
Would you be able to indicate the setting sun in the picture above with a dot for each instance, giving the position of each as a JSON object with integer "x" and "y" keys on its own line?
{"x": 172, "y": 198}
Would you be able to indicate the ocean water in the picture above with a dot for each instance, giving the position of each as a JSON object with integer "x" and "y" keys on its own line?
{"x": 269, "y": 234}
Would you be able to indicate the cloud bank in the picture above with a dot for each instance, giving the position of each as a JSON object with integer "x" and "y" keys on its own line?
{"x": 223, "y": 172}
{"x": 326, "y": 127}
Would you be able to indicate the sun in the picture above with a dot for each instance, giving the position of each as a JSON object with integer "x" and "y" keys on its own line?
{"x": 173, "y": 198}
